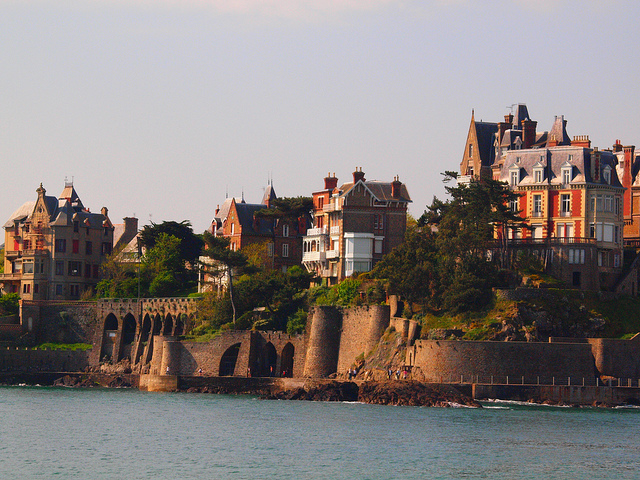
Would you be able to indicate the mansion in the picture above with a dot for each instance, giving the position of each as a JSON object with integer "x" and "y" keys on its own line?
{"x": 575, "y": 199}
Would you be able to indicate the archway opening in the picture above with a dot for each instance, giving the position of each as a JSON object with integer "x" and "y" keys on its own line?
{"x": 109, "y": 335}
{"x": 168, "y": 325}
{"x": 128, "y": 329}
{"x": 270, "y": 360}
{"x": 228, "y": 361}
{"x": 287, "y": 360}
{"x": 146, "y": 328}
{"x": 157, "y": 325}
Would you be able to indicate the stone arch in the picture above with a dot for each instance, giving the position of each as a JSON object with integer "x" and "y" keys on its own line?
{"x": 109, "y": 337}
{"x": 286, "y": 366}
{"x": 269, "y": 360}
{"x": 168, "y": 325}
{"x": 129, "y": 326}
{"x": 157, "y": 324}
{"x": 228, "y": 361}
{"x": 181, "y": 321}
{"x": 145, "y": 330}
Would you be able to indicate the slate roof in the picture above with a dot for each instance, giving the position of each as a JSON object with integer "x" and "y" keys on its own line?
{"x": 62, "y": 211}
{"x": 246, "y": 211}
{"x": 486, "y": 134}
{"x": 380, "y": 190}
{"x": 559, "y": 131}
{"x": 554, "y": 159}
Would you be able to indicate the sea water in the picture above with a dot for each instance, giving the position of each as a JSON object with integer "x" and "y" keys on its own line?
{"x": 50, "y": 432}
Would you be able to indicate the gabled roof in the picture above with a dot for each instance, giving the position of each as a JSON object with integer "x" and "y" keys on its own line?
{"x": 246, "y": 212}
{"x": 381, "y": 191}
{"x": 486, "y": 133}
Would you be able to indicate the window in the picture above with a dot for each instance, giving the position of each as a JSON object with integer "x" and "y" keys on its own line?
{"x": 61, "y": 245}
{"x": 599, "y": 204}
{"x": 76, "y": 227}
{"x": 608, "y": 203}
{"x": 378, "y": 222}
{"x": 59, "y": 267}
{"x": 537, "y": 205}
{"x": 537, "y": 175}
{"x": 606, "y": 174}
{"x": 74, "y": 290}
{"x": 565, "y": 205}
{"x": 75, "y": 246}
{"x": 616, "y": 234}
{"x": 59, "y": 289}
{"x": 87, "y": 270}
{"x": 513, "y": 205}
{"x": 26, "y": 288}
{"x": 106, "y": 248}
{"x": 616, "y": 260}
{"x": 26, "y": 244}
{"x": 26, "y": 228}
{"x": 96, "y": 271}
{"x": 576, "y": 256}
{"x": 27, "y": 267}
{"x": 233, "y": 229}
{"x": 285, "y": 250}
{"x": 88, "y": 248}
{"x": 377, "y": 245}
{"x": 285, "y": 230}
{"x": 617, "y": 208}
{"x": 106, "y": 231}
{"x": 470, "y": 150}
{"x": 515, "y": 178}
{"x": 75, "y": 269}
{"x": 566, "y": 176}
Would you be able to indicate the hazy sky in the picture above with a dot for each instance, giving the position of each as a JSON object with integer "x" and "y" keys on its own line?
{"x": 162, "y": 107}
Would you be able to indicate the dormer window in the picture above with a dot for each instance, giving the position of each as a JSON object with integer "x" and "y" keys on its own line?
{"x": 518, "y": 143}
{"x": 606, "y": 174}
{"x": 514, "y": 175}
{"x": 538, "y": 172}
{"x": 567, "y": 173}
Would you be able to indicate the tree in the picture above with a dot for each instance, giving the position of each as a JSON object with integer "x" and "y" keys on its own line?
{"x": 217, "y": 248}
{"x": 190, "y": 244}
{"x": 289, "y": 208}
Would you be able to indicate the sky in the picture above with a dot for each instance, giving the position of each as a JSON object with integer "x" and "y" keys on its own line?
{"x": 160, "y": 109}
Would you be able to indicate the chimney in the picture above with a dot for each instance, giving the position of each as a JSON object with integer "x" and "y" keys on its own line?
{"x": 528, "y": 133}
{"x": 595, "y": 165}
{"x": 217, "y": 210}
{"x": 395, "y": 187}
{"x": 330, "y": 181}
{"x": 627, "y": 179}
{"x": 617, "y": 147}
{"x": 358, "y": 175}
{"x": 553, "y": 141}
{"x": 581, "y": 141}
{"x": 41, "y": 191}
{"x": 503, "y": 127}
{"x": 104, "y": 211}
{"x": 130, "y": 226}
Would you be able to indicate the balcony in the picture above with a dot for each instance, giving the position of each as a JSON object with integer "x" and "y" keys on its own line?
{"x": 536, "y": 214}
{"x": 464, "y": 179}
{"x": 11, "y": 253}
{"x": 330, "y": 207}
{"x": 35, "y": 252}
{"x": 547, "y": 241}
{"x": 316, "y": 231}
{"x": 314, "y": 256}
{"x": 565, "y": 213}
{"x": 335, "y": 230}
{"x": 332, "y": 254}
{"x": 10, "y": 276}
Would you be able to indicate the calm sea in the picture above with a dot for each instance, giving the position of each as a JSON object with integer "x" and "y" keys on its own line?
{"x": 92, "y": 434}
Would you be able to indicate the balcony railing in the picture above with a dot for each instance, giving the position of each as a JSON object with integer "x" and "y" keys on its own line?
{"x": 33, "y": 252}
{"x": 330, "y": 207}
{"x": 565, "y": 214}
{"x": 10, "y": 276}
{"x": 464, "y": 179}
{"x": 314, "y": 256}
{"x": 316, "y": 231}
{"x": 546, "y": 241}
{"x": 335, "y": 230}
{"x": 536, "y": 214}
{"x": 11, "y": 253}
{"x": 332, "y": 253}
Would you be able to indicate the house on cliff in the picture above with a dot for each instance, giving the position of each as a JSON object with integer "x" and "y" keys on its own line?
{"x": 574, "y": 198}
{"x": 54, "y": 247}
{"x": 354, "y": 225}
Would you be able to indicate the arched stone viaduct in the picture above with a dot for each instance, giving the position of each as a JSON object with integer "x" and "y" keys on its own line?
{"x": 146, "y": 332}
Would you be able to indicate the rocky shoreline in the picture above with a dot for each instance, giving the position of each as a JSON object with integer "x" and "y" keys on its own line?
{"x": 399, "y": 393}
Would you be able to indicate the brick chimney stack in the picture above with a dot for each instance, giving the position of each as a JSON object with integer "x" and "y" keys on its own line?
{"x": 528, "y": 133}
{"x": 358, "y": 175}
{"x": 617, "y": 147}
{"x": 396, "y": 187}
{"x": 627, "y": 178}
{"x": 330, "y": 181}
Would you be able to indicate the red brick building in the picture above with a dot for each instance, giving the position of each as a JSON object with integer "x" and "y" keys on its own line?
{"x": 354, "y": 225}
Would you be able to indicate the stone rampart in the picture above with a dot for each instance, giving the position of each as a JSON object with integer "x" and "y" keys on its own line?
{"x": 362, "y": 328}
{"x": 30, "y": 360}
{"x": 501, "y": 362}
{"x": 616, "y": 358}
